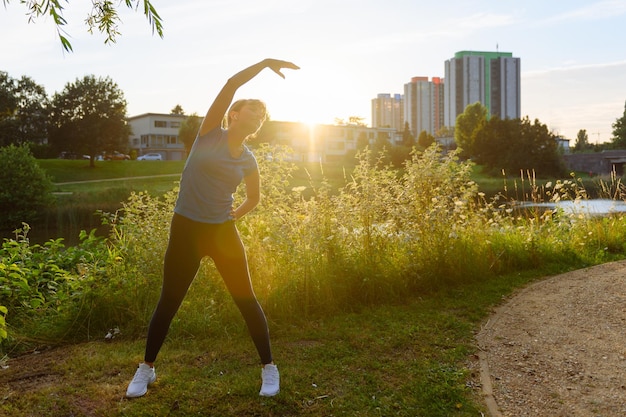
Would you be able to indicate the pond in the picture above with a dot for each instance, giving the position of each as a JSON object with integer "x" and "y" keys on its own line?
{"x": 65, "y": 223}
{"x": 592, "y": 207}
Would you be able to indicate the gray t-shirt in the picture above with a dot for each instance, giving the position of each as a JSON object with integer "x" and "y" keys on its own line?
{"x": 210, "y": 178}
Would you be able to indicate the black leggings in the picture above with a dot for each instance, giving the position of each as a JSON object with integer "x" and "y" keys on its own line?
{"x": 189, "y": 242}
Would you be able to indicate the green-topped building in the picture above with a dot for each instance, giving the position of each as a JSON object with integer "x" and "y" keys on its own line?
{"x": 491, "y": 78}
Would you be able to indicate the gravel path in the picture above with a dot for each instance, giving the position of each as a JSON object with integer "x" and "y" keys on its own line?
{"x": 558, "y": 347}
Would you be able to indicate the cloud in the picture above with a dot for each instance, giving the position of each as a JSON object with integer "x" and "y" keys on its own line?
{"x": 454, "y": 28}
{"x": 575, "y": 68}
{"x": 481, "y": 21}
{"x": 600, "y": 10}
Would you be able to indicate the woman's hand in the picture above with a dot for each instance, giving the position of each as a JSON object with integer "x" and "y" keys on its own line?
{"x": 253, "y": 196}
{"x": 276, "y": 65}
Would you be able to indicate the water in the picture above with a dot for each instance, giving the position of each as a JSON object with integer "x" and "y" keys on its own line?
{"x": 594, "y": 207}
{"x": 65, "y": 223}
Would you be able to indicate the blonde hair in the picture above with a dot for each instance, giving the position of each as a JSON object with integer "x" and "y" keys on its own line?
{"x": 237, "y": 105}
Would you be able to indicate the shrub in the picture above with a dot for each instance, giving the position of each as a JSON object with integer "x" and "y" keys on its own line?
{"x": 24, "y": 187}
{"x": 43, "y": 286}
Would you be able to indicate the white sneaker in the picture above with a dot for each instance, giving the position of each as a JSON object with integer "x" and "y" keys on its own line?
{"x": 144, "y": 376}
{"x": 271, "y": 381}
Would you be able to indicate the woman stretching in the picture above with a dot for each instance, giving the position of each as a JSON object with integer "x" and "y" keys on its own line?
{"x": 203, "y": 223}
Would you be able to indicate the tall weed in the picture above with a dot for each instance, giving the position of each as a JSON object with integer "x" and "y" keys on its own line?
{"x": 383, "y": 236}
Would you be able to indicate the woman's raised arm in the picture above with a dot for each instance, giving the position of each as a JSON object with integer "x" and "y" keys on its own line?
{"x": 220, "y": 105}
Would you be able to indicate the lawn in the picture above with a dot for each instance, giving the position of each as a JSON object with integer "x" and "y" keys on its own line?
{"x": 62, "y": 171}
{"x": 414, "y": 359}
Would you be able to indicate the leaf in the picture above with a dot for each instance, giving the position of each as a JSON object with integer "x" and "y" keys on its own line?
{"x": 153, "y": 18}
{"x": 35, "y": 303}
{"x": 65, "y": 43}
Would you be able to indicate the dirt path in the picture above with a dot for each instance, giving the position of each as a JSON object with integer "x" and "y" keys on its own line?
{"x": 558, "y": 347}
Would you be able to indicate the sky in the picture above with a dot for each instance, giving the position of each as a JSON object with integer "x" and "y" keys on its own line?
{"x": 573, "y": 58}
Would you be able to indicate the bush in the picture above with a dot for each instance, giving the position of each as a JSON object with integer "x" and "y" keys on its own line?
{"x": 43, "y": 288}
{"x": 24, "y": 187}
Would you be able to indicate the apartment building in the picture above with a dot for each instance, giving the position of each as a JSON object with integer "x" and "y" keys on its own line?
{"x": 505, "y": 89}
{"x": 388, "y": 111}
{"x": 491, "y": 78}
{"x": 423, "y": 105}
{"x": 157, "y": 133}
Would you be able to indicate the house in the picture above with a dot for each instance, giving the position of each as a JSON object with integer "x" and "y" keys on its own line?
{"x": 157, "y": 133}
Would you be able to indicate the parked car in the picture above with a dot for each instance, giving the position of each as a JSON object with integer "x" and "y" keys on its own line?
{"x": 116, "y": 156}
{"x": 150, "y": 157}
{"x": 71, "y": 155}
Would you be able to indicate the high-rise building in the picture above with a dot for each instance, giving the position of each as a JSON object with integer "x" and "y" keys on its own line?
{"x": 491, "y": 78}
{"x": 424, "y": 105}
{"x": 387, "y": 111}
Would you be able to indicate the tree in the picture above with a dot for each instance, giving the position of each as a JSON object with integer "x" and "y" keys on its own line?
{"x": 467, "y": 123}
{"x": 188, "y": 130}
{"x": 407, "y": 136}
{"x": 425, "y": 139}
{"x": 103, "y": 17}
{"x": 445, "y": 132}
{"x": 619, "y": 132}
{"x": 23, "y": 111}
{"x": 513, "y": 145}
{"x": 352, "y": 121}
{"x": 88, "y": 117}
{"x": 178, "y": 109}
{"x": 356, "y": 121}
{"x": 24, "y": 187}
{"x": 32, "y": 111}
{"x": 8, "y": 105}
{"x": 582, "y": 141}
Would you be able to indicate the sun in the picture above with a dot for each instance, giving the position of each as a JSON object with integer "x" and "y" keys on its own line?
{"x": 305, "y": 110}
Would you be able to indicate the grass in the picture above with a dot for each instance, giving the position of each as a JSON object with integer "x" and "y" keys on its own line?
{"x": 79, "y": 170}
{"x": 403, "y": 360}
